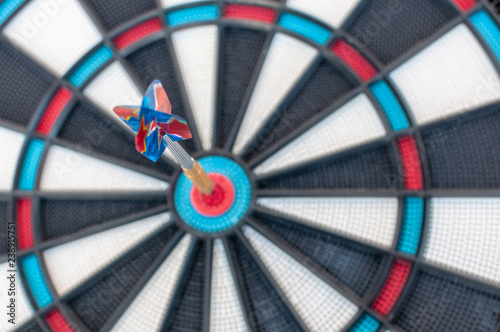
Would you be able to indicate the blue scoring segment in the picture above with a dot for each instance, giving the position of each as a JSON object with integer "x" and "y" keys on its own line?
{"x": 90, "y": 65}
{"x": 191, "y": 15}
{"x": 305, "y": 28}
{"x": 7, "y": 8}
{"x": 412, "y": 225}
{"x": 36, "y": 281}
{"x": 391, "y": 106}
{"x": 242, "y": 189}
{"x": 488, "y": 29}
{"x": 365, "y": 324}
{"x": 30, "y": 164}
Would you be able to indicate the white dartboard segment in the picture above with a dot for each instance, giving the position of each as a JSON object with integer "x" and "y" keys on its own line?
{"x": 68, "y": 170}
{"x": 147, "y": 311}
{"x": 171, "y": 3}
{"x": 57, "y": 33}
{"x": 196, "y": 50}
{"x": 356, "y": 123}
{"x": 23, "y": 309}
{"x": 369, "y": 219}
{"x": 332, "y": 12}
{"x": 72, "y": 263}
{"x": 320, "y": 306}
{"x": 113, "y": 87}
{"x": 451, "y": 76}
{"x": 226, "y": 314}
{"x": 464, "y": 235}
{"x": 11, "y": 143}
{"x": 287, "y": 60}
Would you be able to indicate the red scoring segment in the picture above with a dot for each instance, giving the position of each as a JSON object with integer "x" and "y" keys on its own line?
{"x": 411, "y": 163}
{"x": 219, "y": 202}
{"x": 24, "y": 224}
{"x": 250, "y": 13}
{"x": 465, "y": 5}
{"x": 54, "y": 109}
{"x": 57, "y": 322}
{"x": 137, "y": 33}
{"x": 393, "y": 286}
{"x": 353, "y": 59}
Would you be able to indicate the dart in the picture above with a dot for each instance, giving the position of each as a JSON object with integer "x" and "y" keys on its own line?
{"x": 157, "y": 130}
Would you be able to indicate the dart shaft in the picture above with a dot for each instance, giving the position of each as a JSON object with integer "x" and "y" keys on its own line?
{"x": 180, "y": 155}
{"x": 191, "y": 168}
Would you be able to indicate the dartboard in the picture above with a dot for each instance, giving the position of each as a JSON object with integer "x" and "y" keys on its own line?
{"x": 358, "y": 142}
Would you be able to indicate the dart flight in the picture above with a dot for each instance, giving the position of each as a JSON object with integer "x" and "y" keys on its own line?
{"x": 157, "y": 129}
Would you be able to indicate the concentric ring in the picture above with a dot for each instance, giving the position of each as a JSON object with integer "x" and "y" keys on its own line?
{"x": 212, "y": 224}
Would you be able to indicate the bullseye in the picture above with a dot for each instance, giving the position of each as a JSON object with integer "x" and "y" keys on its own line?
{"x": 220, "y": 210}
{"x": 219, "y": 201}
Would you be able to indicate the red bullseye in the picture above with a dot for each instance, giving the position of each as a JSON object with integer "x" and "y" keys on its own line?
{"x": 219, "y": 202}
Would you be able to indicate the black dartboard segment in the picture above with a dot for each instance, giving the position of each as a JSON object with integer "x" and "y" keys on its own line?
{"x": 187, "y": 315}
{"x": 440, "y": 294}
{"x": 268, "y": 312}
{"x": 354, "y": 266}
{"x": 373, "y": 168}
{"x": 241, "y": 49}
{"x": 391, "y": 28}
{"x": 97, "y": 302}
{"x": 325, "y": 87}
{"x": 4, "y": 221}
{"x": 26, "y": 88}
{"x": 81, "y": 214}
{"x": 113, "y": 13}
{"x": 461, "y": 164}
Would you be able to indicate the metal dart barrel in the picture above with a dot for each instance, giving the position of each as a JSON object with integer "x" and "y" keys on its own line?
{"x": 191, "y": 168}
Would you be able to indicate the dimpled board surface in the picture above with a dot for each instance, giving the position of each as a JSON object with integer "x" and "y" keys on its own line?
{"x": 358, "y": 140}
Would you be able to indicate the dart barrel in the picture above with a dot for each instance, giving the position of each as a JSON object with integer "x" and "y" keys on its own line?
{"x": 199, "y": 178}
